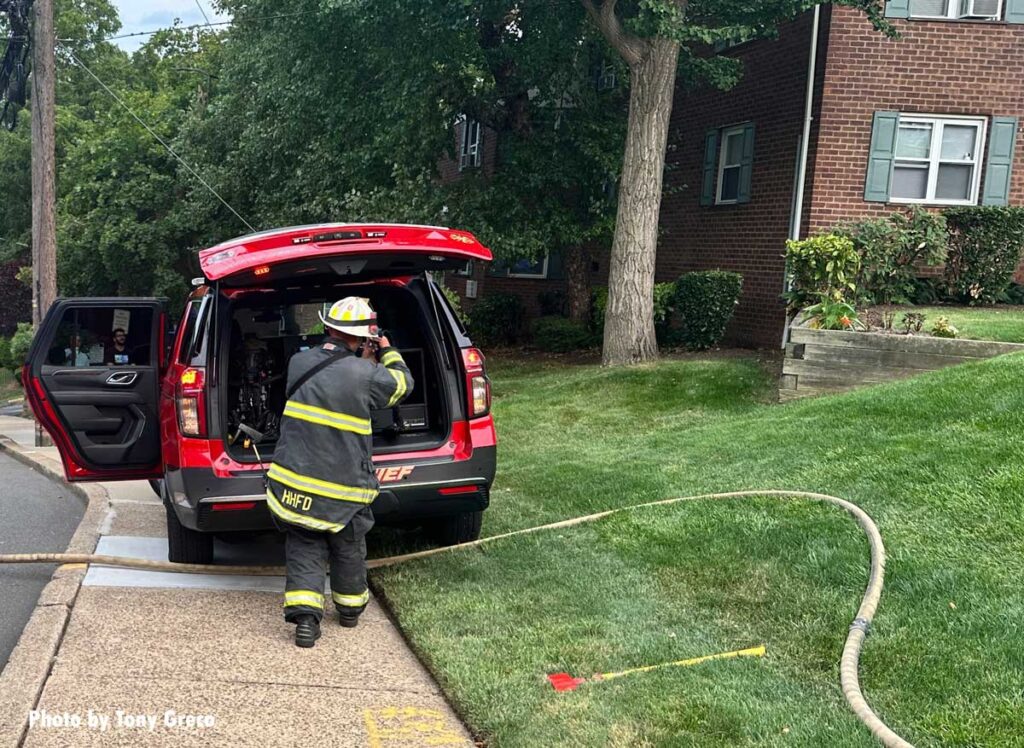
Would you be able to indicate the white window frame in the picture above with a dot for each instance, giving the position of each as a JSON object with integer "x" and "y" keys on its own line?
{"x": 543, "y": 274}
{"x": 954, "y": 11}
{"x": 466, "y": 271}
{"x": 722, "y": 166}
{"x": 938, "y": 123}
{"x": 469, "y": 144}
{"x": 606, "y": 77}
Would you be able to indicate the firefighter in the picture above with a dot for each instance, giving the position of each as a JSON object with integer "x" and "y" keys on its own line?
{"x": 322, "y": 481}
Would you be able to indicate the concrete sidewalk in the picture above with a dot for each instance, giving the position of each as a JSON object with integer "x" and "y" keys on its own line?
{"x": 165, "y": 665}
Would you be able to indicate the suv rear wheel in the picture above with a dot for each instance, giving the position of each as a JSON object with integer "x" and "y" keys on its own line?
{"x": 185, "y": 546}
{"x": 458, "y": 528}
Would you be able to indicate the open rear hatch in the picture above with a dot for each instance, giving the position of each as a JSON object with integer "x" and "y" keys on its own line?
{"x": 347, "y": 251}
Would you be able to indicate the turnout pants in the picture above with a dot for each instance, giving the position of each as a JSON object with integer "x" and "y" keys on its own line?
{"x": 307, "y": 554}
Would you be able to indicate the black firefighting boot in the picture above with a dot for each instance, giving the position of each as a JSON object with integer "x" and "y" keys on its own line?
{"x": 348, "y": 621}
{"x": 307, "y": 631}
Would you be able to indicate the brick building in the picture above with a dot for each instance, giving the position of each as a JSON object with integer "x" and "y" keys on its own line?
{"x": 930, "y": 118}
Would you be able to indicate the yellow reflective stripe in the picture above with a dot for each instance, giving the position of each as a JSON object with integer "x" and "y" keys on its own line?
{"x": 304, "y": 597}
{"x": 321, "y": 487}
{"x": 352, "y": 601}
{"x": 323, "y": 417}
{"x": 400, "y": 385}
{"x": 390, "y": 357}
{"x": 302, "y": 520}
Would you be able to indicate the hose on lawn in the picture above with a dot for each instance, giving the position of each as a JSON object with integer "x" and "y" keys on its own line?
{"x": 848, "y": 664}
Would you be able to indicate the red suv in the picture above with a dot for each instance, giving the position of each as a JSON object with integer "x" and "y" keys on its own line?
{"x": 127, "y": 397}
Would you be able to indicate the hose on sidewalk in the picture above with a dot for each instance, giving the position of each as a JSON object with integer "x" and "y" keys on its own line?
{"x": 848, "y": 665}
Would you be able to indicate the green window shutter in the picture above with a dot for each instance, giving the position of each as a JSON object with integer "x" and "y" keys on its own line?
{"x": 880, "y": 159}
{"x": 556, "y": 266}
{"x": 1001, "y": 145}
{"x": 897, "y": 9}
{"x": 707, "y": 190}
{"x": 746, "y": 165}
{"x": 1015, "y": 11}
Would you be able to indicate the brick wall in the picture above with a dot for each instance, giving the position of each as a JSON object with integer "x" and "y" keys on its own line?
{"x": 749, "y": 238}
{"x": 937, "y": 67}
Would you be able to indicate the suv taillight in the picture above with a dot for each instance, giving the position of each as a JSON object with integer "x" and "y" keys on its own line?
{"x": 191, "y": 399}
{"x": 478, "y": 386}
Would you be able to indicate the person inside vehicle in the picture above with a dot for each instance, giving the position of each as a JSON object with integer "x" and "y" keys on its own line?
{"x": 116, "y": 353}
{"x": 321, "y": 482}
{"x": 74, "y": 355}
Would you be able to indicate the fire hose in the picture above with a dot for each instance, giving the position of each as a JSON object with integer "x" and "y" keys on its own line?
{"x": 848, "y": 665}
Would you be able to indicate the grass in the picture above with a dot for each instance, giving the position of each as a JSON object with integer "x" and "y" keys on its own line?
{"x": 1004, "y": 324}
{"x": 935, "y": 460}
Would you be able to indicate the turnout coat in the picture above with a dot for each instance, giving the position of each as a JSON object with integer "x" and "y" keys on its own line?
{"x": 322, "y": 472}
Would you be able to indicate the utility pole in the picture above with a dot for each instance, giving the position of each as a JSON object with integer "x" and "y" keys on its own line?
{"x": 44, "y": 177}
{"x": 44, "y": 191}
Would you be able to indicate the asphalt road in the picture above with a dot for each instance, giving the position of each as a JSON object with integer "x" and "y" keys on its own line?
{"x": 37, "y": 515}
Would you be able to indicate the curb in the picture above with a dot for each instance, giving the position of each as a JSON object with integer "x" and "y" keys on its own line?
{"x": 23, "y": 678}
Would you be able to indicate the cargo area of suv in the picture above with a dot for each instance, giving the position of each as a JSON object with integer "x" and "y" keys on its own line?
{"x": 169, "y": 406}
{"x": 265, "y": 328}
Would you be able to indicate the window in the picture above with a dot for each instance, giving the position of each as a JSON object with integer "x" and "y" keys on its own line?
{"x": 956, "y": 9}
{"x": 103, "y": 337}
{"x": 606, "y": 76}
{"x": 466, "y": 271}
{"x": 937, "y": 160}
{"x": 730, "y": 165}
{"x": 469, "y": 150}
{"x": 527, "y": 268}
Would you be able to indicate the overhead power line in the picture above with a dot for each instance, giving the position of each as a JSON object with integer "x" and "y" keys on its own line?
{"x": 197, "y": 26}
{"x": 201, "y": 10}
{"x": 160, "y": 140}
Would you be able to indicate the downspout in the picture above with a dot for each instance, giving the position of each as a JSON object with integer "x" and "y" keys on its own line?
{"x": 805, "y": 143}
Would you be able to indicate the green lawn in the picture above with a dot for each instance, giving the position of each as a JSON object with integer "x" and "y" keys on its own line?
{"x": 936, "y": 461}
{"x": 1001, "y": 323}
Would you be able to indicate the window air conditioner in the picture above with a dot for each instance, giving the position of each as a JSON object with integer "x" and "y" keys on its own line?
{"x": 980, "y": 8}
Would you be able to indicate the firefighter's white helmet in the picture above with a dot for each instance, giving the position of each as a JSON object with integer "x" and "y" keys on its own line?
{"x": 352, "y": 315}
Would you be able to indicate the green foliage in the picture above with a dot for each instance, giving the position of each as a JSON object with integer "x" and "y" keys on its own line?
{"x": 705, "y": 302}
{"x": 7, "y": 360}
{"x": 21, "y": 341}
{"x": 496, "y": 319}
{"x": 665, "y": 312}
{"x": 560, "y": 335}
{"x": 456, "y": 304}
{"x": 598, "y": 307}
{"x": 831, "y": 313}
{"x": 943, "y": 329}
{"x": 1012, "y": 295}
{"x": 892, "y": 249}
{"x": 986, "y": 246}
{"x": 826, "y": 264}
{"x": 929, "y": 291}
{"x": 912, "y": 322}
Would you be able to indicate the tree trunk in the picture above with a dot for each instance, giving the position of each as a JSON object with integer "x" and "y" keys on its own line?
{"x": 629, "y": 320}
{"x": 577, "y": 283}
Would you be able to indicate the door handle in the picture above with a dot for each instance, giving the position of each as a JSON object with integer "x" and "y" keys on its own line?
{"x": 122, "y": 378}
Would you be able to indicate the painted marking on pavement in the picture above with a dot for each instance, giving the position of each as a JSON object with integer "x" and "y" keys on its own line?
{"x": 412, "y": 725}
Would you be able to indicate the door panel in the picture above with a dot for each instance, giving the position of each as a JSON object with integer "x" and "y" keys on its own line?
{"x": 94, "y": 378}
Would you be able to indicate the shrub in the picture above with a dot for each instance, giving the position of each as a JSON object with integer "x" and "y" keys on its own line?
{"x": 986, "y": 244}
{"x": 929, "y": 291}
{"x": 598, "y": 306}
{"x": 6, "y": 358}
{"x": 892, "y": 249}
{"x": 456, "y": 304}
{"x": 912, "y": 322}
{"x": 21, "y": 341}
{"x": 664, "y": 312}
{"x": 497, "y": 319}
{"x": 553, "y": 303}
{"x": 705, "y": 302}
{"x": 1012, "y": 295}
{"x": 819, "y": 265}
{"x": 831, "y": 313}
{"x": 561, "y": 335}
{"x": 942, "y": 329}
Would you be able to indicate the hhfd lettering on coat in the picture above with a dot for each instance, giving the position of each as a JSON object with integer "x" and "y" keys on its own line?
{"x": 297, "y": 500}
{"x": 392, "y": 474}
